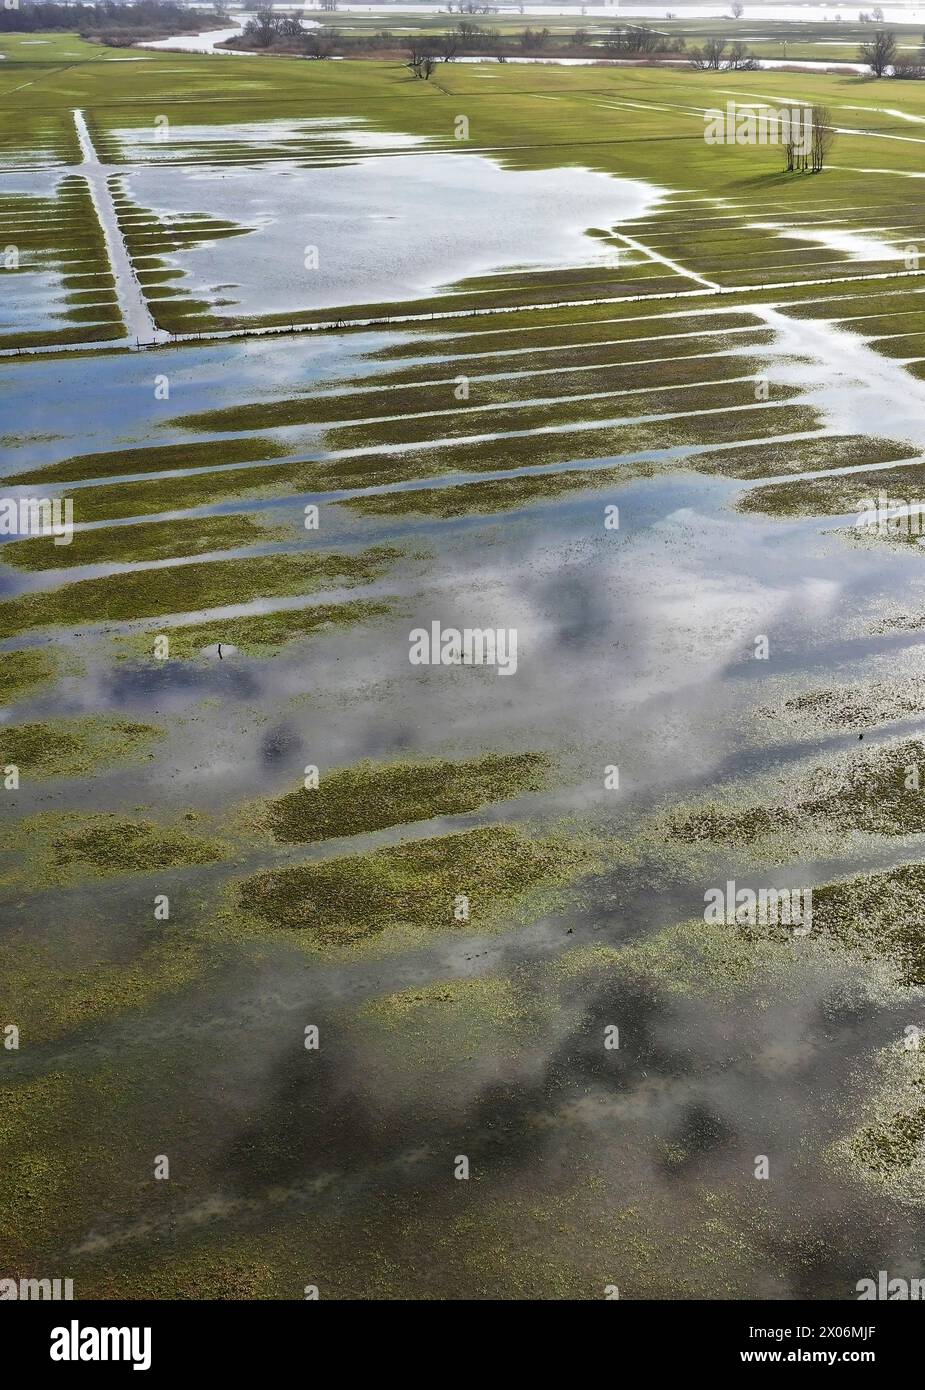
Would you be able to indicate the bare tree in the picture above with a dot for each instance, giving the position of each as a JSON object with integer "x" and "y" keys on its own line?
{"x": 321, "y": 42}
{"x": 421, "y": 62}
{"x": 262, "y": 29}
{"x": 448, "y": 46}
{"x": 823, "y": 136}
{"x": 738, "y": 10}
{"x": 534, "y": 38}
{"x": 740, "y": 60}
{"x": 710, "y": 58}
{"x": 290, "y": 28}
{"x": 880, "y": 53}
{"x": 636, "y": 38}
{"x": 909, "y": 68}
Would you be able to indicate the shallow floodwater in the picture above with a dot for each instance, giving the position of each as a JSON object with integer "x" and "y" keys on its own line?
{"x": 310, "y": 137}
{"x": 389, "y": 229}
{"x": 206, "y": 42}
{"x": 635, "y": 648}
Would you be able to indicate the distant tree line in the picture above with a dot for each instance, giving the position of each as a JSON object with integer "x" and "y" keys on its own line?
{"x": 268, "y": 29}
{"x": 145, "y": 16}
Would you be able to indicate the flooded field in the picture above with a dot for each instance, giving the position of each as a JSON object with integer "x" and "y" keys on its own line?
{"x": 484, "y": 571}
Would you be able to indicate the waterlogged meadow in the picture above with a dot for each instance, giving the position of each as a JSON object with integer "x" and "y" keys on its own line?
{"x": 462, "y": 752}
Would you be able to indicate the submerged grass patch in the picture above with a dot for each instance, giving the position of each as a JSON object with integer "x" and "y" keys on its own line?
{"x": 520, "y": 359}
{"x": 113, "y": 844}
{"x": 843, "y": 493}
{"x": 496, "y": 495}
{"x": 160, "y": 458}
{"x": 767, "y": 459}
{"x": 547, "y": 329}
{"x": 70, "y": 748}
{"x": 52, "y": 1000}
{"x": 153, "y": 540}
{"x": 444, "y": 1026}
{"x": 184, "y": 588}
{"x": 345, "y": 902}
{"x": 472, "y": 422}
{"x": 438, "y": 397}
{"x": 878, "y": 918}
{"x": 691, "y": 959}
{"x": 887, "y": 1149}
{"x": 370, "y": 796}
{"x": 852, "y": 707}
{"x": 864, "y": 791}
{"x": 264, "y": 633}
{"x": 507, "y": 452}
{"x": 24, "y": 672}
{"x": 58, "y": 848}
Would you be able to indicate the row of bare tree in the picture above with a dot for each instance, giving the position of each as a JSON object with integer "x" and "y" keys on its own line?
{"x": 808, "y": 156}
{"x": 716, "y": 56}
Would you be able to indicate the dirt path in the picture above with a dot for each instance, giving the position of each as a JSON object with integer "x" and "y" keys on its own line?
{"x": 140, "y": 326}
